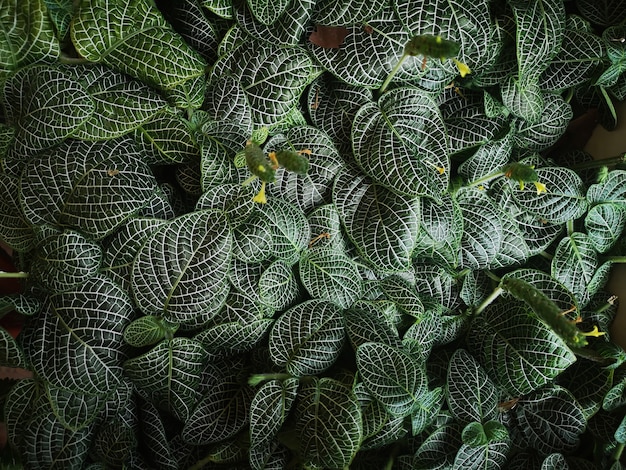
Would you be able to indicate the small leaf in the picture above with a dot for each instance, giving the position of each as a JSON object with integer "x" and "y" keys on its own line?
{"x": 147, "y": 330}
{"x": 574, "y": 265}
{"x": 604, "y": 224}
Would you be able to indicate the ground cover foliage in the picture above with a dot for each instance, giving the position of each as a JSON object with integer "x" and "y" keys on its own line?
{"x": 289, "y": 234}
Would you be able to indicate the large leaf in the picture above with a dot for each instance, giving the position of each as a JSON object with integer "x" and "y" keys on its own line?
{"x": 545, "y": 130}
{"x": 180, "y": 272}
{"x": 272, "y": 77}
{"x": 11, "y": 354}
{"x": 225, "y": 100}
{"x": 165, "y": 139}
{"x": 330, "y": 275}
{"x": 493, "y": 455}
{"x": 168, "y": 376}
{"x": 366, "y": 323}
{"x": 45, "y": 105}
{"x": 28, "y": 35}
{"x": 574, "y": 264}
{"x": 278, "y": 286}
{"x": 308, "y": 338}
{"x": 289, "y": 228}
{"x": 90, "y": 186}
{"x": 74, "y": 410}
{"x": 611, "y": 189}
{"x": 383, "y": 225}
{"x": 134, "y": 38}
{"x": 401, "y": 143}
{"x": 121, "y": 103}
{"x": 517, "y": 350}
{"x": 328, "y": 423}
{"x": 604, "y": 223}
{"x": 392, "y": 376}
{"x": 76, "y": 343}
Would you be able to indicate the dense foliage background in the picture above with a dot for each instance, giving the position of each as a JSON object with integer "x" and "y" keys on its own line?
{"x": 422, "y": 297}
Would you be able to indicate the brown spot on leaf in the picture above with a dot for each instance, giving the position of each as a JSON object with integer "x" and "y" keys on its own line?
{"x": 328, "y": 37}
{"x": 368, "y": 29}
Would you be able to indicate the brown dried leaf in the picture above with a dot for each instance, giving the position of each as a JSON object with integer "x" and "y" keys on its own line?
{"x": 328, "y": 37}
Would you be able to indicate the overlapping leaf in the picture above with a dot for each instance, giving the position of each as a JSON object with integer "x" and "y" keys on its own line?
{"x": 440, "y": 230}
{"x": 166, "y": 138}
{"x": 225, "y": 100}
{"x": 574, "y": 264}
{"x": 308, "y": 338}
{"x": 282, "y": 22}
{"x": 180, "y": 272}
{"x": 74, "y": 410}
{"x": 604, "y": 223}
{"x": 611, "y": 189}
{"x": 278, "y": 286}
{"x": 90, "y": 186}
{"x": 366, "y": 325}
{"x": 491, "y": 455}
{"x": 134, "y": 38}
{"x": 76, "y": 343}
{"x": 15, "y": 229}
{"x": 346, "y": 12}
{"x": 252, "y": 240}
{"x": 383, "y": 225}
{"x": 401, "y": 143}
{"x": 289, "y": 228}
{"x": 546, "y": 129}
{"x": 168, "y": 376}
{"x": 11, "y": 354}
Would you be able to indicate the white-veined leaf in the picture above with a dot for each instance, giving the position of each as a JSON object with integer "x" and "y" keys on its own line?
{"x": 91, "y": 186}
{"x": 326, "y": 231}
{"x": 19, "y": 407}
{"x": 611, "y": 189}
{"x": 392, "y": 376}
{"x": 45, "y": 105}
{"x": 383, "y": 225}
{"x": 328, "y": 423}
{"x": 330, "y": 275}
{"x": 539, "y": 135}
{"x": 440, "y": 230}
{"x": 148, "y": 330}
{"x": 225, "y": 100}
{"x": 493, "y": 455}
{"x": 114, "y": 442}
{"x": 285, "y": 25}
{"x": 278, "y": 286}
{"x": 234, "y": 200}
{"x": 15, "y": 230}
{"x": 604, "y": 224}
{"x": 74, "y": 410}
{"x": 424, "y": 333}
{"x": 401, "y": 143}
{"x": 267, "y": 12}
{"x": 180, "y": 272}
{"x": 76, "y": 343}
{"x": 379, "y": 428}
{"x": 11, "y": 354}
{"x": 440, "y": 448}
{"x": 523, "y": 99}
{"x": 154, "y": 437}
{"x": 168, "y": 376}
{"x": 367, "y": 323}
{"x": 245, "y": 277}
{"x": 346, "y": 12}
{"x": 307, "y": 339}
{"x": 289, "y": 228}
{"x": 165, "y": 139}
{"x": 519, "y": 351}
{"x": 574, "y": 264}
{"x": 513, "y": 249}
{"x": 403, "y": 294}
{"x": 134, "y": 38}
{"x": 252, "y": 240}
{"x": 604, "y": 13}
{"x": 437, "y": 282}
{"x": 234, "y": 337}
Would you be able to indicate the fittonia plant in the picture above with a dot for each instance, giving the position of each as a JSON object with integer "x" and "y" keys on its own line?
{"x": 243, "y": 249}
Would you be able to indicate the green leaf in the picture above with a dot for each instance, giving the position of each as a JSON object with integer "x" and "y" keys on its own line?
{"x": 523, "y": 99}
{"x": 490, "y": 455}
{"x": 282, "y": 22}
{"x": 278, "y": 286}
{"x": 11, "y": 354}
{"x": 544, "y": 132}
{"x": 15, "y": 230}
{"x": 403, "y": 294}
{"x": 367, "y": 323}
{"x": 611, "y": 189}
{"x": 440, "y": 230}
{"x": 65, "y": 260}
{"x": 76, "y": 343}
{"x": 325, "y": 227}
{"x": 588, "y": 384}
{"x": 313, "y": 188}
{"x": 147, "y": 330}
{"x": 401, "y": 143}
{"x": 225, "y": 100}
{"x": 574, "y": 264}
{"x": 604, "y": 12}
{"x": 330, "y": 275}
{"x": 134, "y": 38}
{"x": 392, "y": 376}
{"x": 440, "y": 448}
{"x": 166, "y": 138}
{"x": 513, "y": 250}
{"x": 471, "y": 394}
{"x": 269, "y": 409}
{"x": 252, "y": 240}
{"x": 19, "y": 407}
{"x": 383, "y": 225}
{"x": 222, "y": 8}
{"x": 346, "y": 12}
{"x": 180, "y": 272}
{"x": 266, "y": 12}
{"x": 154, "y": 436}
{"x": 550, "y": 420}
{"x": 563, "y": 200}
{"x": 32, "y": 95}
{"x": 234, "y": 200}
{"x": 74, "y": 410}
{"x": 91, "y": 186}
{"x": 289, "y": 228}
{"x": 168, "y": 376}
{"x": 272, "y": 76}
{"x": 28, "y": 35}
{"x": 307, "y": 339}
{"x": 328, "y": 423}
{"x": 517, "y": 350}
{"x": 114, "y": 442}
{"x": 604, "y": 224}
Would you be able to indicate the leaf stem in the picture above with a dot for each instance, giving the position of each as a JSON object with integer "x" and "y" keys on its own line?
{"x": 599, "y": 163}
{"x": 493, "y": 296}
{"x": 256, "y": 379}
{"x": 617, "y": 453}
{"x": 13, "y": 275}
{"x": 66, "y": 59}
{"x": 393, "y": 72}
{"x": 486, "y": 178}
{"x": 616, "y": 259}
{"x": 570, "y": 226}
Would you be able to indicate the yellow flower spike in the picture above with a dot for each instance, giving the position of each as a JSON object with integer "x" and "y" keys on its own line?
{"x": 521, "y": 185}
{"x": 463, "y": 68}
{"x": 595, "y": 333}
{"x": 541, "y": 188}
{"x": 260, "y": 197}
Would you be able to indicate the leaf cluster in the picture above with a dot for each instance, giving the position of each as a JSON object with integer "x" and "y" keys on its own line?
{"x": 401, "y": 299}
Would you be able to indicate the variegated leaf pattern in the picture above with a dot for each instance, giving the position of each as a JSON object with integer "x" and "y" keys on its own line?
{"x": 325, "y": 227}
{"x": 538, "y": 233}
{"x": 221, "y": 413}
{"x": 611, "y": 189}
{"x": 234, "y": 337}
{"x": 551, "y": 287}
{"x": 273, "y": 77}
{"x": 253, "y": 240}
{"x": 15, "y": 230}
{"x": 330, "y": 275}
{"x": 225, "y": 100}
{"x": 19, "y": 407}
{"x": 513, "y": 248}
{"x": 313, "y": 188}
{"x": 518, "y": 351}
{"x": 66, "y": 260}
{"x": 549, "y": 126}
{"x": 168, "y": 375}
{"x": 114, "y": 442}
{"x": 245, "y": 277}
{"x": 33, "y": 94}
{"x": 91, "y": 186}
{"x": 286, "y": 24}
{"x": 166, "y": 138}
{"x": 383, "y": 225}
{"x": 346, "y": 12}
{"x": 234, "y": 200}
{"x": 491, "y": 455}
{"x": 76, "y": 343}
{"x": 437, "y": 282}
{"x": 440, "y": 447}
{"x": 367, "y": 325}
{"x": 154, "y": 436}
{"x": 574, "y": 264}
{"x": 147, "y": 331}
{"x": 550, "y": 420}
{"x": 28, "y": 35}
{"x": 11, "y": 354}
{"x": 23, "y": 304}
{"x": 307, "y": 339}
{"x": 403, "y": 294}
{"x": 406, "y": 124}
{"x": 289, "y": 228}
{"x": 470, "y": 393}
{"x": 524, "y": 100}
{"x": 392, "y": 376}
{"x": 181, "y": 270}
{"x": 74, "y": 410}
{"x": 604, "y": 223}
{"x": 440, "y": 230}
{"x": 121, "y": 103}
{"x": 279, "y": 288}
{"x": 269, "y": 409}
{"x": 134, "y": 38}
{"x": 563, "y": 200}
{"x": 424, "y": 333}
{"x": 328, "y": 423}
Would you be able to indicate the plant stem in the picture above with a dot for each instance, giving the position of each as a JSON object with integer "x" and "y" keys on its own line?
{"x": 393, "y": 72}
{"x": 494, "y": 295}
{"x": 258, "y": 378}
{"x": 599, "y": 163}
{"x": 486, "y": 178}
{"x": 13, "y": 275}
{"x": 65, "y": 59}
{"x": 616, "y": 259}
{"x": 546, "y": 255}
{"x": 617, "y": 453}
{"x": 570, "y": 226}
